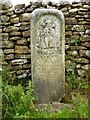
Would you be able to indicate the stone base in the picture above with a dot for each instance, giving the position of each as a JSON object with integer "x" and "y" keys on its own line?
{"x": 53, "y": 107}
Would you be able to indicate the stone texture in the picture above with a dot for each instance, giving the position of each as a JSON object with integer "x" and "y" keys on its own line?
{"x": 25, "y": 17}
{"x": 28, "y": 56}
{"x": 82, "y": 60}
{"x": 5, "y": 18}
{"x": 5, "y": 4}
{"x": 9, "y": 57}
{"x": 81, "y": 73}
{"x": 7, "y": 51}
{"x": 5, "y": 36}
{"x": 26, "y": 33}
{"x": 21, "y": 49}
{"x": 14, "y": 38}
{"x": 22, "y": 41}
{"x": 14, "y": 20}
{"x": 8, "y": 44}
{"x": 15, "y": 33}
{"x": 71, "y": 21}
{"x": 85, "y": 53}
{"x": 11, "y": 29}
{"x": 47, "y": 54}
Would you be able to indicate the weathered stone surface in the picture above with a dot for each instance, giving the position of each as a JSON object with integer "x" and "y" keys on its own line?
{"x": 85, "y": 67}
{"x": 11, "y": 29}
{"x": 27, "y": 66}
{"x": 47, "y": 45}
{"x": 71, "y": 21}
{"x": 86, "y": 44}
{"x": 5, "y": 18}
{"x": 28, "y": 56}
{"x": 25, "y": 17}
{"x": 7, "y": 51}
{"x": 87, "y": 32}
{"x": 25, "y": 27}
{"x": 73, "y": 53}
{"x": 18, "y": 61}
{"x": 22, "y": 41}
{"x": 5, "y": 36}
{"x": 15, "y": 33}
{"x": 82, "y": 60}
{"x": 78, "y": 28}
{"x": 85, "y": 53}
{"x": 85, "y": 38}
{"x": 21, "y": 49}
{"x": 9, "y": 57}
{"x": 26, "y": 33}
{"x": 14, "y": 20}
{"x": 14, "y": 38}
{"x": 8, "y": 44}
{"x": 19, "y": 6}
{"x": 81, "y": 73}
{"x": 5, "y": 4}
{"x": 73, "y": 10}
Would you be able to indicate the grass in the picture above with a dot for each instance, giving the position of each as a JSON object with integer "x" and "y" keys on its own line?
{"x": 18, "y": 101}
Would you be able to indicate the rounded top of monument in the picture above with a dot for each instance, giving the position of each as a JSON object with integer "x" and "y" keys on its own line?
{"x": 5, "y": 4}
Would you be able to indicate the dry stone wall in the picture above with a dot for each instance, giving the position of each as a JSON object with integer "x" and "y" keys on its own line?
{"x": 15, "y": 36}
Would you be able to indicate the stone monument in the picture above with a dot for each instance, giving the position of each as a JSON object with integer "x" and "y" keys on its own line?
{"x": 47, "y": 54}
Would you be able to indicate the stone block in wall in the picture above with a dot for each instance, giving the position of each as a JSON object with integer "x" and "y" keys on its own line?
{"x": 78, "y": 28}
{"x": 5, "y": 36}
{"x": 85, "y": 67}
{"x": 77, "y": 5}
{"x": 14, "y": 38}
{"x": 85, "y": 53}
{"x": 7, "y": 44}
{"x": 19, "y": 72}
{"x": 28, "y": 56}
{"x": 71, "y": 21}
{"x": 24, "y": 27}
{"x": 82, "y": 60}
{"x": 68, "y": 27}
{"x": 81, "y": 73}
{"x": 4, "y": 24}
{"x": 26, "y": 33}
{"x": 69, "y": 33}
{"x": 27, "y": 66}
{"x": 73, "y": 53}
{"x": 25, "y": 17}
{"x": 11, "y": 29}
{"x": 77, "y": 48}
{"x": 83, "y": 23}
{"x": 73, "y": 11}
{"x": 86, "y": 44}
{"x": 18, "y": 61}
{"x": 9, "y": 57}
{"x": 85, "y": 38}
{"x": 8, "y": 51}
{"x": 22, "y": 41}
{"x": 87, "y": 32}
{"x": 14, "y": 20}
{"x": 15, "y": 33}
{"x": 15, "y": 67}
{"x": 21, "y": 49}
{"x": 19, "y": 8}
{"x": 5, "y": 4}
{"x": 5, "y": 18}
{"x": 10, "y": 12}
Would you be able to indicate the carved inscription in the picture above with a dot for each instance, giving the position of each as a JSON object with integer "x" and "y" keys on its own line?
{"x": 48, "y": 37}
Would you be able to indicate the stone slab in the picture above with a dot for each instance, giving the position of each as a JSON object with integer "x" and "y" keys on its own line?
{"x": 47, "y": 54}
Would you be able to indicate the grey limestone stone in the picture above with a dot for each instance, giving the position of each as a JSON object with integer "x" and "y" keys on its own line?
{"x": 47, "y": 54}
